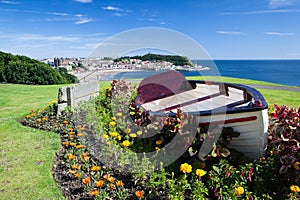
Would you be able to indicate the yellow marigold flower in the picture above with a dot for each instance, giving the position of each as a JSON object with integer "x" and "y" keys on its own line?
{"x": 28, "y": 116}
{"x": 295, "y": 188}
{"x": 132, "y": 135}
{"x": 71, "y": 156}
{"x": 38, "y": 120}
{"x": 127, "y": 130}
{"x": 139, "y": 194}
{"x": 77, "y": 175}
{"x": 53, "y": 101}
{"x": 157, "y": 148}
{"x": 185, "y": 168}
{"x": 139, "y": 133}
{"x": 120, "y": 183}
{"x": 113, "y": 134}
{"x": 200, "y": 172}
{"x": 94, "y": 193}
{"x": 125, "y": 143}
{"x": 72, "y": 144}
{"x": 70, "y": 129}
{"x": 80, "y": 134}
{"x": 105, "y": 136}
{"x": 113, "y": 118}
{"x": 71, "y": 137}
{"x": 80, "y": 127}
{"x": 95, "y": 168}
{"x": 119, "y": 114}
{"x": 240, "y": 190}
{"x": 45, "y": 118}
{"x": 112, "y": 123}
{"x": 72, "y": 133}
{"x": 158, "y": 142}
{"x": 80, "y": 146}
{"x": 119, "y": 138}
{"x": 99, "y": 183}
{"x": 106, "y": 176}
{"x": 65, "y": 122}
{"x": 33, "y": 114}
{"x": 297, "y": 165}
{"x": 86, "y": 180}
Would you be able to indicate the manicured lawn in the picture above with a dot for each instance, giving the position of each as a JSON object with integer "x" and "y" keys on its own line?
{"x": 26, "y": 154}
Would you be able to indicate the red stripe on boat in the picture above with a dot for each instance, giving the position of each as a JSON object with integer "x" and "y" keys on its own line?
{"x": 229, "y": 121}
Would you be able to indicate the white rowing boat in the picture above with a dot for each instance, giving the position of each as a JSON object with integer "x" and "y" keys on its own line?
{"x": 230, "y": 105}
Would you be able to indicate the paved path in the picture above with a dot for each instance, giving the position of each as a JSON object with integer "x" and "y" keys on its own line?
{"x": 293, "y": 89}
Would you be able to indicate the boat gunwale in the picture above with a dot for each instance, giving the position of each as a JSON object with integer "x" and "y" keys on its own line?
{"x": 260, "y": 103}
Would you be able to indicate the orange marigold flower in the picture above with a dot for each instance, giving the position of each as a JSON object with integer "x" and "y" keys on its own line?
{"x": 31, "y": 110}
{"x": 86, "y": 158}
{"x": 66, "y": 143}
{"x": 297, "y": 165}
{"x": 76, "y": 167}
{"x": 80, "y": 128}
{"x": 33, "y": 114}
{"x": 95, "y": 168}
{"x": 71, "y": 137}
{"x": 72, "y": 144}
{"x": 80, "y": 134}
{"x": 120, "y": 183}
{"x": 70, "y": 129}
{"x": 65, "y": 122}
{"x": 158, "y": 142}
{"x": 77, "y": 175}
{"x": 45, "y": 118}
{"x": 72, "y": 133}
{"x": 111, "y": 186}
{"x": 185, "y": 168}
{"x": 127, "y": 130}
{"x": 139, "y": 194}
{"x": 125, "y": 143}
{"x": 28, "y": 116}
{"x": 295, "y": 188}
{"x": 80, "y": 146}
{"x": 38, "y": 120}
{"x": 99, "y": 183}
{"x": 86, "y": 180}
{"x": 111, "y": 179}
{"x": 94, "y": 193}
{"x": 106, "y": 176}
{"x": 240, "y": 190}
{"x": 71, "y": 156}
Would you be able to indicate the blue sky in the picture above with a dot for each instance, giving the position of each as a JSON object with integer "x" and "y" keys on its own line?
{"x": 227, "y": 29}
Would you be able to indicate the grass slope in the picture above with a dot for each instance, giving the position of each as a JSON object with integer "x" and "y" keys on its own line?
{"x": 26, "y": 154}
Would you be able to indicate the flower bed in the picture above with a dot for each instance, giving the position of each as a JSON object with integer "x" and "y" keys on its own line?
{"x": 105, "y": 141}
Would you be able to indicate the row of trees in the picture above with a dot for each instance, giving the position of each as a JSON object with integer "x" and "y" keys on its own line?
{"x": 176, "y": 60}
{"x": 24, "y": 70}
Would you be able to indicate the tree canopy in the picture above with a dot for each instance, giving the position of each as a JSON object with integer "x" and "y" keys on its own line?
{"x": 24, "y": 70}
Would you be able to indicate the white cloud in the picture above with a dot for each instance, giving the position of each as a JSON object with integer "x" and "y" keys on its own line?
{"x": 10, "y": 2}
{"x": 280, "y": 3}
{"x": 234, "y": 33}
{"x": 45, "y": 38}
{"x": 84, "y": 1}
{"x": 83, "y": 21}
{"x": 262, "y": 12}
{"x": 112, "y": 8}
{"x": 278, "y": 33}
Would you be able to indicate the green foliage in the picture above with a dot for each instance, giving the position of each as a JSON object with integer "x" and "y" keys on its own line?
{"x": 176, "y": 60}
{"x": 24, "y": 70}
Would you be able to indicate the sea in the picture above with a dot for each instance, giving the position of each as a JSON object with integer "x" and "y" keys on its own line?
{"x": 286, "y": 72}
